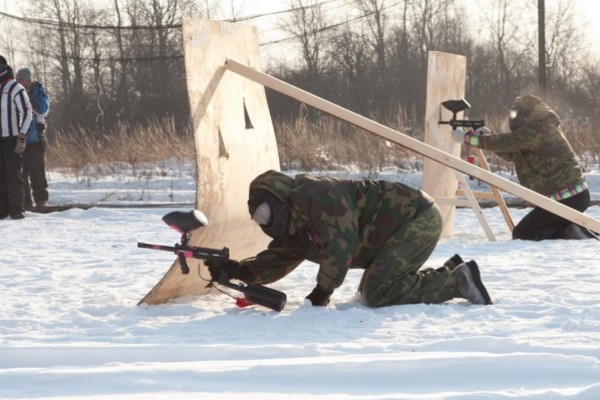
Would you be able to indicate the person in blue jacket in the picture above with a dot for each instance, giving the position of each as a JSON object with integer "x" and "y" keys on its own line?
{"x": 34, "y": 168}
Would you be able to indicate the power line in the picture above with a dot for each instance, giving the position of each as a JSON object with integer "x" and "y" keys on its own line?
{"x": 179, "y": 56}
{"x": 279, "y": 12}
{"x": 63, "y": 24}
{"x": 115, "y": 59}
{"x": 326, "y": 11}
{"x": 329, "y": 26}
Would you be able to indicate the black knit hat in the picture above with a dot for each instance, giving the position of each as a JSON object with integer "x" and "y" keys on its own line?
{"x": 3, "y": 64}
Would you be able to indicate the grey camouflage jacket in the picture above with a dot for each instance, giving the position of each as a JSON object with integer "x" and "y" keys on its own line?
{"x": 543, "y": 158}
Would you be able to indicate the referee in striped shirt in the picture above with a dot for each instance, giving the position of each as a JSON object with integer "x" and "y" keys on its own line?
{"x": 15, "y": 117}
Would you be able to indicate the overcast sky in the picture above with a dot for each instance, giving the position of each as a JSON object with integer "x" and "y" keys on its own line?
{"x": 589, "y": 11}
{"x": 270, "y": 30}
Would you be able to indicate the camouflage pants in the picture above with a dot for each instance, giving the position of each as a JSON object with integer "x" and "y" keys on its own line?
{"x": 394, "y": 276}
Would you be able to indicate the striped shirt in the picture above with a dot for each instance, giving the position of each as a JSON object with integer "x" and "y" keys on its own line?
{"x": 15, "y": 109}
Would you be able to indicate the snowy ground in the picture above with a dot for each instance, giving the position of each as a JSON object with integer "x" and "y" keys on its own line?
{"x": 70, "y": 326}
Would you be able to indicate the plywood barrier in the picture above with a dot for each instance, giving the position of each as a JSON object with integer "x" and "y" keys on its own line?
{"x": 446, "y": 75}
{"x": 446, "y": 79}
{"x": 234, "y": 141}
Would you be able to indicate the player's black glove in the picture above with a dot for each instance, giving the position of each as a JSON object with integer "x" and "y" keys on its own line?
{"x": 225, "y": 270}
{"x": 319, "y": 296}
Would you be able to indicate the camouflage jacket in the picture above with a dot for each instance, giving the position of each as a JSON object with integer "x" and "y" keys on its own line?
{"x": 543, "y": 158}
{"x": 340, "y": 224}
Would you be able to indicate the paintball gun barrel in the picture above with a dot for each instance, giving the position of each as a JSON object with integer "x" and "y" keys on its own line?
{"x": 200, "y": 253}
{"x": 185, "y": 223}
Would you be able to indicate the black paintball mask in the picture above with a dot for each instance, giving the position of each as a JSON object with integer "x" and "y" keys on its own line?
{"x": 271, "y": 214}
{"x": 521, "y": 110}
{"x": 516, "y": 119}
{"x": 3, "y": 64}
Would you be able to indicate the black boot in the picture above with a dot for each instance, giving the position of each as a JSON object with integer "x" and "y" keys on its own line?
{"x": 17, "y": 215}
{"x": 469, "y": 285}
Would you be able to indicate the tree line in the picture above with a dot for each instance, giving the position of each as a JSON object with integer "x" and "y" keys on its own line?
{"x": 123, "y": 62}
{"x": 378, "y": 64}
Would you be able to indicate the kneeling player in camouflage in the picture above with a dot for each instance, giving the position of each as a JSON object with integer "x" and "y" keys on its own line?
{"x": 544, "y": 161}
{"x": 388, "y": 229}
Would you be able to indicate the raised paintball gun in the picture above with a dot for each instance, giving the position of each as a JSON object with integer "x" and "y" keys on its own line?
{"x": 185, "y": 223}
{"x": 456, "y": 106}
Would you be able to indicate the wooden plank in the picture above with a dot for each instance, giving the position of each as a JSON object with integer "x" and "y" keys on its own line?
{"x": 230, "y": 150}
{"x": 417, "y": 146}
{"x": 453, "y": 201}
{"x": 479, "y": 195}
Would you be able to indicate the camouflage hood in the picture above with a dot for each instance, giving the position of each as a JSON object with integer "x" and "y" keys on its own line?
{"x": 276, "y": 183}
{"x": 534, "y": 109}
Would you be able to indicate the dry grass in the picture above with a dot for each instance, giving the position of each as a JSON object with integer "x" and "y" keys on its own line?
{"x": 131, "y": 145}
{"x": 307, "y": 143}
{"x": 322, "y": 142}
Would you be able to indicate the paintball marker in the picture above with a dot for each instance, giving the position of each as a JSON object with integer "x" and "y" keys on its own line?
{"x": 456, "y": 106}
{"x": 185, "y": 223}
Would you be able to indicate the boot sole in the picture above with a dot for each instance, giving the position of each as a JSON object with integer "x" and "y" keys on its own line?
{"x": 474, "y": 268}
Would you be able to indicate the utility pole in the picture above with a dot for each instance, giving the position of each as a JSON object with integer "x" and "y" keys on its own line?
{"x": 542, "y": 47}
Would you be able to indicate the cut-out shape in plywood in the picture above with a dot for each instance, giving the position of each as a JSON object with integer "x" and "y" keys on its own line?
{"x": 228, "y": 154}
{"x": 446, "y": 76}
{"x": 247, "y": 118}
{"x": 222, "y": 150}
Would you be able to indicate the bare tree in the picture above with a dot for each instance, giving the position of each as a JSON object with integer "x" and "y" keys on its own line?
{"x": 309, "y": 26}
{"x": 564, "y": 43}
{"x": 64, "y": 42}
{"x": 590, "y": 83}
{"x": 428, "y": 16}
{"x": 123, "y": 60}
{"x": 352, "y": 60}
{"x": 403, "y": 58}
{"x": 373, "y": 10}
{"x": 511, "y": 46}
{"x": 158, "y": 77}
{"x": 428, "y": 19}
{"x": 542, "y": 46}
{"x": 8, "y": 39}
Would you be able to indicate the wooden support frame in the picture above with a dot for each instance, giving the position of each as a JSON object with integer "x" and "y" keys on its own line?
{"x": 471, "y": 201}
{"x": 415, "y": 145}
{"x": 493, "y": 195}
{"x": 470, "y": 198}
{"x": 496, "y": 195}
